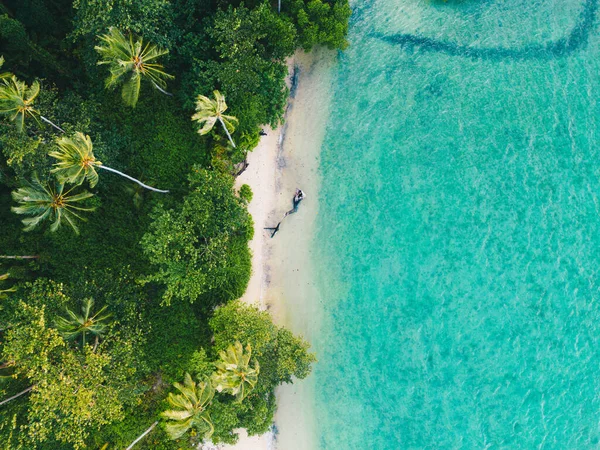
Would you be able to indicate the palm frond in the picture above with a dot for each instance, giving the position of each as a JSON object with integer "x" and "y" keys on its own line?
{"x": 234, "y": 375}
{"x": 17, "y": 99}
{"x": 190, "y": 408}
{"x": 76, "y": 160}
{"x": 76, "y": 326}
{"x": 42, "y": 202}
{"x": 129, "y": 61}
{"x": 131, "y": 89}
{"x": 209, "y": 111}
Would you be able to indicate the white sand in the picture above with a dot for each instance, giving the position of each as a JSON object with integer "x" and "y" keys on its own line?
{"x": 281, "y": 280}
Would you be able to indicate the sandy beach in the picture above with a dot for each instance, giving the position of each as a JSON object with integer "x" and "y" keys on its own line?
{"x": 281, "y": 282}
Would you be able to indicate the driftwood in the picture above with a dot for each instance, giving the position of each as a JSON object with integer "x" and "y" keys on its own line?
{"x": 240, "y": 168}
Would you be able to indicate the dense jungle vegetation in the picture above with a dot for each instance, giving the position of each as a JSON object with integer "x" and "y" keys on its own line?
{"x": 118, "y": 310}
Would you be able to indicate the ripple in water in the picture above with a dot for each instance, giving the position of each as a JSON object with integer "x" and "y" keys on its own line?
{"x": 458, "y": 233}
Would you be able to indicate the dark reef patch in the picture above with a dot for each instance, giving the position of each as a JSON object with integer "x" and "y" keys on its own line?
{"x": 575, "y": 40}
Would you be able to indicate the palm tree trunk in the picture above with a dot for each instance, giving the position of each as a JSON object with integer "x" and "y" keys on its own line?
{"x": 162, "y": 90}
{"x": 132, "y": 179}
{"x": 142, "y": 435}
{"x": 279, "y": 6}
{"x": 54, "y": 125}
{"x": 227, "y": 131}
{"x": 19, "y": 257}
{"x": 16, "y": 396}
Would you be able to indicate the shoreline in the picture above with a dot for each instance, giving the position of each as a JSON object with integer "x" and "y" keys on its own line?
{"x": 284, "y": 159}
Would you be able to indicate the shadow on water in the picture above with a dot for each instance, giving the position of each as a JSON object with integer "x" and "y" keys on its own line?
{"x": 576, "y": 39}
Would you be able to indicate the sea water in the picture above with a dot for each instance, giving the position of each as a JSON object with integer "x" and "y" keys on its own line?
{"x": 458, "y": 235}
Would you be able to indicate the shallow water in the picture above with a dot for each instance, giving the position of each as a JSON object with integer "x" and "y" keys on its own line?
{"x": 458, "y": 233}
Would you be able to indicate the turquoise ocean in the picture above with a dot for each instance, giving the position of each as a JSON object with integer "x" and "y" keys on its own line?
{"x": 458, "y": 238}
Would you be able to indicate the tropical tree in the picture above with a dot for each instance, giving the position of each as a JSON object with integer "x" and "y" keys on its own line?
{"x": 76, "y": 326}
{"x": 76, "y": 162}
{"x": 190, "y": 408}
{"x": 209, "y": 111}
{"x": 131, "y": 61}
{"x": 47, "y": 202}
{"x": 16, "y": 101}
{"x": 234, "y": 375}
{"x": 200, "y": 249}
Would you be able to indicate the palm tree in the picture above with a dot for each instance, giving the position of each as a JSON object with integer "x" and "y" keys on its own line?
{"x": 132, "y": 61}
{"x": 76, "y": 162}
{"x": 190, "y": 409}
{"x": 77, "y": 326}
{"x": 43, "y": 202}
{"x": 209, "y": 111}
{"x": 16, "y": 101}
{"x": 234, "y": 374}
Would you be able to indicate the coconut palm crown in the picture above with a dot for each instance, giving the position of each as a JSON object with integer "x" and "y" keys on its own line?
{"x": 16, "y": 99}
{"x": 49, "y": 202}
{"x": 209, "y": 111}
{"x": 76, "y": 326}
{"x": 76, "y": 160}
{"x": 190, "y": 408}
{"x": 234, "y": 375}
{"x": 129, "y": 62}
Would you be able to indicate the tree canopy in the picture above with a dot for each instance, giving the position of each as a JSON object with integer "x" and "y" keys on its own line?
{"x": 96, "y": 327}
{"x": 200, "y": 249}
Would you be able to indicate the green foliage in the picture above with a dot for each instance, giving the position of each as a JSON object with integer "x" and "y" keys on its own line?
{"x": 247, "y": 67}
{"x": 321, "y": 22}
{"x": 42, "y": 293}
{"x": 74, "y": 391}
{"x": 14, "y": 40}
{"x": 200, "y": 249}
{"x": 245, "y": 193}
{"x": 77, "y": 163}
{"x": 30, "y": 344}
{"x": 24, "y": 154}
{"x": 150, "y": 18}
{"x": 195, "y": 242}
{"x": 73, "y": 396}
{"x": 129, "y": 62}
{"x": 281, "y": 355}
